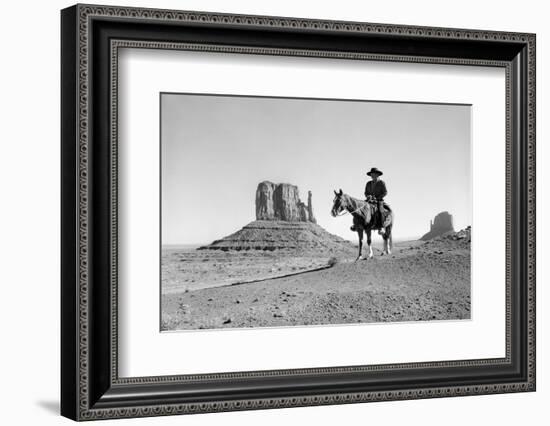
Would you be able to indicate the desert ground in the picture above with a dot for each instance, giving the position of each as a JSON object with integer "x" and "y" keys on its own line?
{"x": 190, "y": 269}
{"x": 233, "y": 289}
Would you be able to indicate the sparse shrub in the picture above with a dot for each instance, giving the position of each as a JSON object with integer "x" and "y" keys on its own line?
{"x": 332, "y": 261}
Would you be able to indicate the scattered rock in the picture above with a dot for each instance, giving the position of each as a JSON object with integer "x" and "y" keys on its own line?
{"x": 227, "y": 321}
{"x": 332, "y": 261}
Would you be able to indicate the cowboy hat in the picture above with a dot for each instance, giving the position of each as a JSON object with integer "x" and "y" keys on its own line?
{"x": 375, "y": 170}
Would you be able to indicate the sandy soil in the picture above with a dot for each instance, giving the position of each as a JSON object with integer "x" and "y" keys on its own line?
{"x": 419, "y": 281}
{"x": 188, "y": 269}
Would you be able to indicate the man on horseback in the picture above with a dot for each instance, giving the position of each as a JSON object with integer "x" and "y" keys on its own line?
{"x": 365, "y": 213}
{"x": 376, "y": 190}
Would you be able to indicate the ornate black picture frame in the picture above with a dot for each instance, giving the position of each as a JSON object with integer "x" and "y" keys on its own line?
{"x": 91, "y": 36}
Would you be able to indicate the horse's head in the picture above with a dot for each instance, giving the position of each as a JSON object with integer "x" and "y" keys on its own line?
{"x": 339, "y": 203}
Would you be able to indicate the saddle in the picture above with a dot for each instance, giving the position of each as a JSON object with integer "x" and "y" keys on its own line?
{"x": 371, "y": 200}
{"x": 384, "y": 216}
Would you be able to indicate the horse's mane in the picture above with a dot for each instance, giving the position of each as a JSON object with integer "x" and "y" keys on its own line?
{"x": 355, "y": 203}
{"x": 352, "y": 199}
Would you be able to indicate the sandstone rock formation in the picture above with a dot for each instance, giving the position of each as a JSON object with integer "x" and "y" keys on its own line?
{"x": 271, "y": 235}
{"x": 283, "y": 222}
{"x": 282, "y": 202}
{"x": 264, "y": 201}
{"x": 442, "y": 223}
{"x": 310, "y": 208}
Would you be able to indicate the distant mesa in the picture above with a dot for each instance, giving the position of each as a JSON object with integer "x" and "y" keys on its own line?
{"x": 442, "y": 224}
{"x": 283, "y": 222}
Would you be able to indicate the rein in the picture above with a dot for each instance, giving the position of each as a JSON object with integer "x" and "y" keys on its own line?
{"x": 344, "y": 212}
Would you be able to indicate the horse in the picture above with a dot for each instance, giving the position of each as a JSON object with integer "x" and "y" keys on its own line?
{"x": 364, "y": 220}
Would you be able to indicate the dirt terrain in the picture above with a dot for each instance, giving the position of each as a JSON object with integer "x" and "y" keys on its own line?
{"x": 419, "y": 281}
{"x": 189, "y": 269}
{"x": 260, "y": 250}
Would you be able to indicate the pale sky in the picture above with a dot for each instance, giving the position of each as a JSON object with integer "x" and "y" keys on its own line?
{"x": 216, "y": 149}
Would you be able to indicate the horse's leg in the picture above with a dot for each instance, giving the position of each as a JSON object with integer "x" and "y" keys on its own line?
{"x": 360, "y": 235}
{"x": 369, "y": 242}
{"x": 389, "y": 242}
{"x": 387, "y": 249}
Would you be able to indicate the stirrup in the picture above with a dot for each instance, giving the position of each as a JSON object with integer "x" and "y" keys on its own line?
{"x": 353, "y": 228}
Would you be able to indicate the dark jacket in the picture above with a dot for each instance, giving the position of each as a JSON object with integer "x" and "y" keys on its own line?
{"x": 377, "y": 189}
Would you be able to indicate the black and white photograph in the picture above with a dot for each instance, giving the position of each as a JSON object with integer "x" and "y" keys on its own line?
{"x": 280, "y": 212}
{"x": 268, "y": 208}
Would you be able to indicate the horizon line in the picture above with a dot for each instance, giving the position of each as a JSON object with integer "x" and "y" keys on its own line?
{"x": 351, "y": 241}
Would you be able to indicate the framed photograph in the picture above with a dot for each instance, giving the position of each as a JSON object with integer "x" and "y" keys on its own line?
{"x": 263, "y": 212}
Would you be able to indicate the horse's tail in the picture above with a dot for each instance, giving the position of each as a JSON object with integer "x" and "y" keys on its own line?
{"x": 391, "y": 232}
